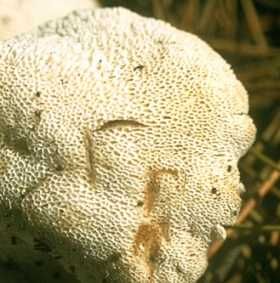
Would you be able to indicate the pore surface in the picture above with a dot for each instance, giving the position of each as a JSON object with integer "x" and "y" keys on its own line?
{"x": 120, "y": 138}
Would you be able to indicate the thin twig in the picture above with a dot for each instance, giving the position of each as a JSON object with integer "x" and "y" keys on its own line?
{"x": 273, "y": 128}
{"x": 274, "y": 238}
{"x": 158, "y": 9}
{"x": 263, "y": 190}
{"x": 207, "y": 16}
{"x": 226, "y": 16}
{"x": 190, "y": 14}
{"x": 264, "y": 158}
{"x": 254, "y": 23}
{"x": 231, "y": 7}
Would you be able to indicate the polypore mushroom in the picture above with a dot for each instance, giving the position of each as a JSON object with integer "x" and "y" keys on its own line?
{"x": 17, "y": 16}
{"x": 120, "y": 142}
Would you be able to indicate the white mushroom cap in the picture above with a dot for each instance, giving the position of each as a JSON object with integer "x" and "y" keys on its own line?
{"x": 121, "y": 137}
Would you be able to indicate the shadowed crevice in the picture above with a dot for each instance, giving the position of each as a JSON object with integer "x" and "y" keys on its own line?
{"x": 120, "y": 124}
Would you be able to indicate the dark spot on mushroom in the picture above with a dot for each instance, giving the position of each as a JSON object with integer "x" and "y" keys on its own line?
{"x": 38, "y": 113}
{"x": 235, "y": 213}
{"x": 214, "y": 191}
{"x": 59, "y": 168}
{"x": 139, "y": 67}
{"x": 13, "y": 240}
{"x": 38, "y": 94}
{"x": 140, "y": 203}
{"x": 20, "y": 145}
{"x": 152, "y": 258}
{"x": 63, "y": 82}
{"x": 229, "y": 168}
{"x": 179, "y": 269}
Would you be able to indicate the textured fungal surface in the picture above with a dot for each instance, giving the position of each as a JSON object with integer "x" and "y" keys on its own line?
{"x": 17, "y": 16}
{"x": 120, "y": 137}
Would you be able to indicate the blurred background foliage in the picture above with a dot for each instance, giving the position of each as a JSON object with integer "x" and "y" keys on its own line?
{"x": 247, "y": 34}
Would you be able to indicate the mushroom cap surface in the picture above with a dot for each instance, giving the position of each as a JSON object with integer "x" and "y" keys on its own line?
{"x": 120, "y": 138}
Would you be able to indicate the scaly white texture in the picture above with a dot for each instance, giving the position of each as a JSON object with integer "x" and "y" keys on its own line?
{"x": 17, "y": 16}
{"x": 120, "y": 142}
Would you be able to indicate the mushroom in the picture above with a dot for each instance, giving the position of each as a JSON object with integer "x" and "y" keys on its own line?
{"x": 17, "y": 16}
{"x": 120, "y": 142}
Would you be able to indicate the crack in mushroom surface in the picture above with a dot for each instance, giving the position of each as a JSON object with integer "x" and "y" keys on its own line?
{"x": 120, "y": 138}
